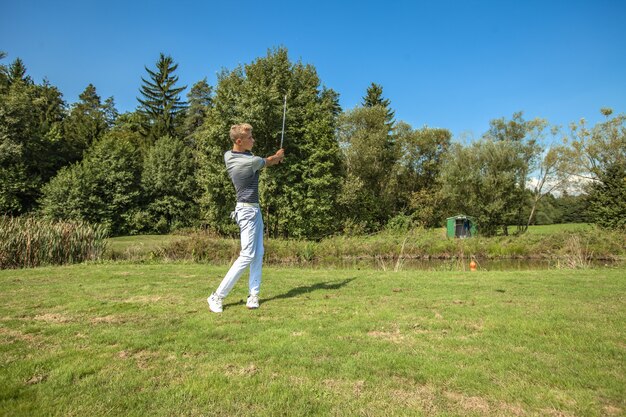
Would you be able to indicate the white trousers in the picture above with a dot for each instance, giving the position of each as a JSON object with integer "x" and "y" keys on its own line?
{"x": 250, "y": 224}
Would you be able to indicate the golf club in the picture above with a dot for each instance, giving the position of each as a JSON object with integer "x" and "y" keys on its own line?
{"x": 282, "y": 135}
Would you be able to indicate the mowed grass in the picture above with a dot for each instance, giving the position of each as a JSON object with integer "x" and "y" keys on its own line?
{"x": 137, "y": 340}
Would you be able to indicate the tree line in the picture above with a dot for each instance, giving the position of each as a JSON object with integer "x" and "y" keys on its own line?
{"x": 160, "y": 168}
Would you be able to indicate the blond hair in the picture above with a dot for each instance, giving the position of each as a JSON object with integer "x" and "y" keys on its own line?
{"x": 240, "y": 131}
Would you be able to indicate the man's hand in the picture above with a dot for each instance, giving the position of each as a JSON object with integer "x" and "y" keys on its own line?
{"x": 276, "y": 158}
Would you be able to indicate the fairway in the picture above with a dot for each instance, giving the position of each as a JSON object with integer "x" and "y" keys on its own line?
{"x": 137, "y": 340}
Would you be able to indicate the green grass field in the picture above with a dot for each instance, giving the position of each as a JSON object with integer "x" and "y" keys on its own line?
{"x": 123, "y": 339}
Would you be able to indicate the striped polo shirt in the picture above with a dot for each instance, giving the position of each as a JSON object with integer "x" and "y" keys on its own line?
{"x": 243, "y": 169}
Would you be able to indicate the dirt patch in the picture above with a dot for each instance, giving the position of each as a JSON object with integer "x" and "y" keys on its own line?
{"x": 144, "y": 299}
{"x": 332, "y": 384}
{"x": 394, "y": 336}
{"x": 432, "y": 401}
{"x": 110, "y": 319}
{"x": 555, "y": 413}
{"x": 36, "y": 379}
{"x": 298, "y": 381}
{"x": 476, "y": 326}
{"x": 358, "y": 387}
{"x": 17, "y": 335}
{"x": 512, "y": 409}
{"x": 53, "y": 318}
{"x": 421, "y": 397}
{"x": 612, "y": 411}
{"x": 347, "y": 388}
{"x": 234, "y": 370}
{"x": 470, "y": 403}
{"x": 143, "y": 358}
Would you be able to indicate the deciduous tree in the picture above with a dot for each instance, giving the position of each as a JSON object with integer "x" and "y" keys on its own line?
{"x": 169, "y": 187}
{"x": 483, "y": 180}
{"x": 600, "y": 154}
{"x": 421, "y": 153}
{"x": 31, "y": 140}
{"x": 369, "y": 192}
{"x": 102, "y": 188}
{"x": 298, "y": 196}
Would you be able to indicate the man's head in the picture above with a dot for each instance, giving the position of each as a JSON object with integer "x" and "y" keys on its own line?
{"x": 241, "y": 135}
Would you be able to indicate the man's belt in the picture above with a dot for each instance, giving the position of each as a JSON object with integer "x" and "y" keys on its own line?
{"x": 248, "y": 205}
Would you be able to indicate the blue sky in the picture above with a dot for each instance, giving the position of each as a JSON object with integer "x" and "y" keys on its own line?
{"x": 454, "y": 64}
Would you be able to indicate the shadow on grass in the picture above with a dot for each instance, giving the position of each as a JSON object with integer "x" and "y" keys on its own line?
{"x": 305, "y": 289}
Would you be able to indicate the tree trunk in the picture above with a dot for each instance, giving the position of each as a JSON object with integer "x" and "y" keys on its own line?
{"x": 532, "y": 211}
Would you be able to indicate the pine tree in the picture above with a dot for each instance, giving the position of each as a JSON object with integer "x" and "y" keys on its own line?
{"x": 4, "y": 78}
{"x": 374, "y": 97}
{"x": 17, "y": 72}
{"x": 110, "y": 112}
{"x": 161, "y": 102}
{"x": 86, "y": 123}
{"x": 200, "y": 101}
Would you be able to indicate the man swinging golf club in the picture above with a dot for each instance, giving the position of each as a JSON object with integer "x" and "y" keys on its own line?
{"x": 243, "y": 168}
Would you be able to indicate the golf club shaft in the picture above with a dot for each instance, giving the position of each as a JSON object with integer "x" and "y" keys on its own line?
{"x": 282, "y": 135}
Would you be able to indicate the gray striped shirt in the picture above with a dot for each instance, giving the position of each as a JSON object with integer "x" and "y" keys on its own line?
{"x": 243, "y": 169}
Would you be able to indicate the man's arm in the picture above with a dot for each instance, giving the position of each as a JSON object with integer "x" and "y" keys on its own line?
{"x": 275, "y": 159}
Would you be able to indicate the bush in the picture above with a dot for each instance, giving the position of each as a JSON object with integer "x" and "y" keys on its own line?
{"x": 400, "y": 223}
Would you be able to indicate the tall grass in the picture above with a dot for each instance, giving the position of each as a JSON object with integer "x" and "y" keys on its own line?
{"x": 30, "y": 242}
{"x": 389, "y": 250}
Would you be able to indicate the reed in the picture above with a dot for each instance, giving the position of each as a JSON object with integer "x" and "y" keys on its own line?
{"x": 27, "y": 242}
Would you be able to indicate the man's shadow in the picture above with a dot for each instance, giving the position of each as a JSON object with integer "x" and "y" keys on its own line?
{"x": 305, "y": 289}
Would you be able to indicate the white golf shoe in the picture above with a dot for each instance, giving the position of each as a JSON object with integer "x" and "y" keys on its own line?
{"x": 215, "y": 303}
{"x": 253, "y": 302}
